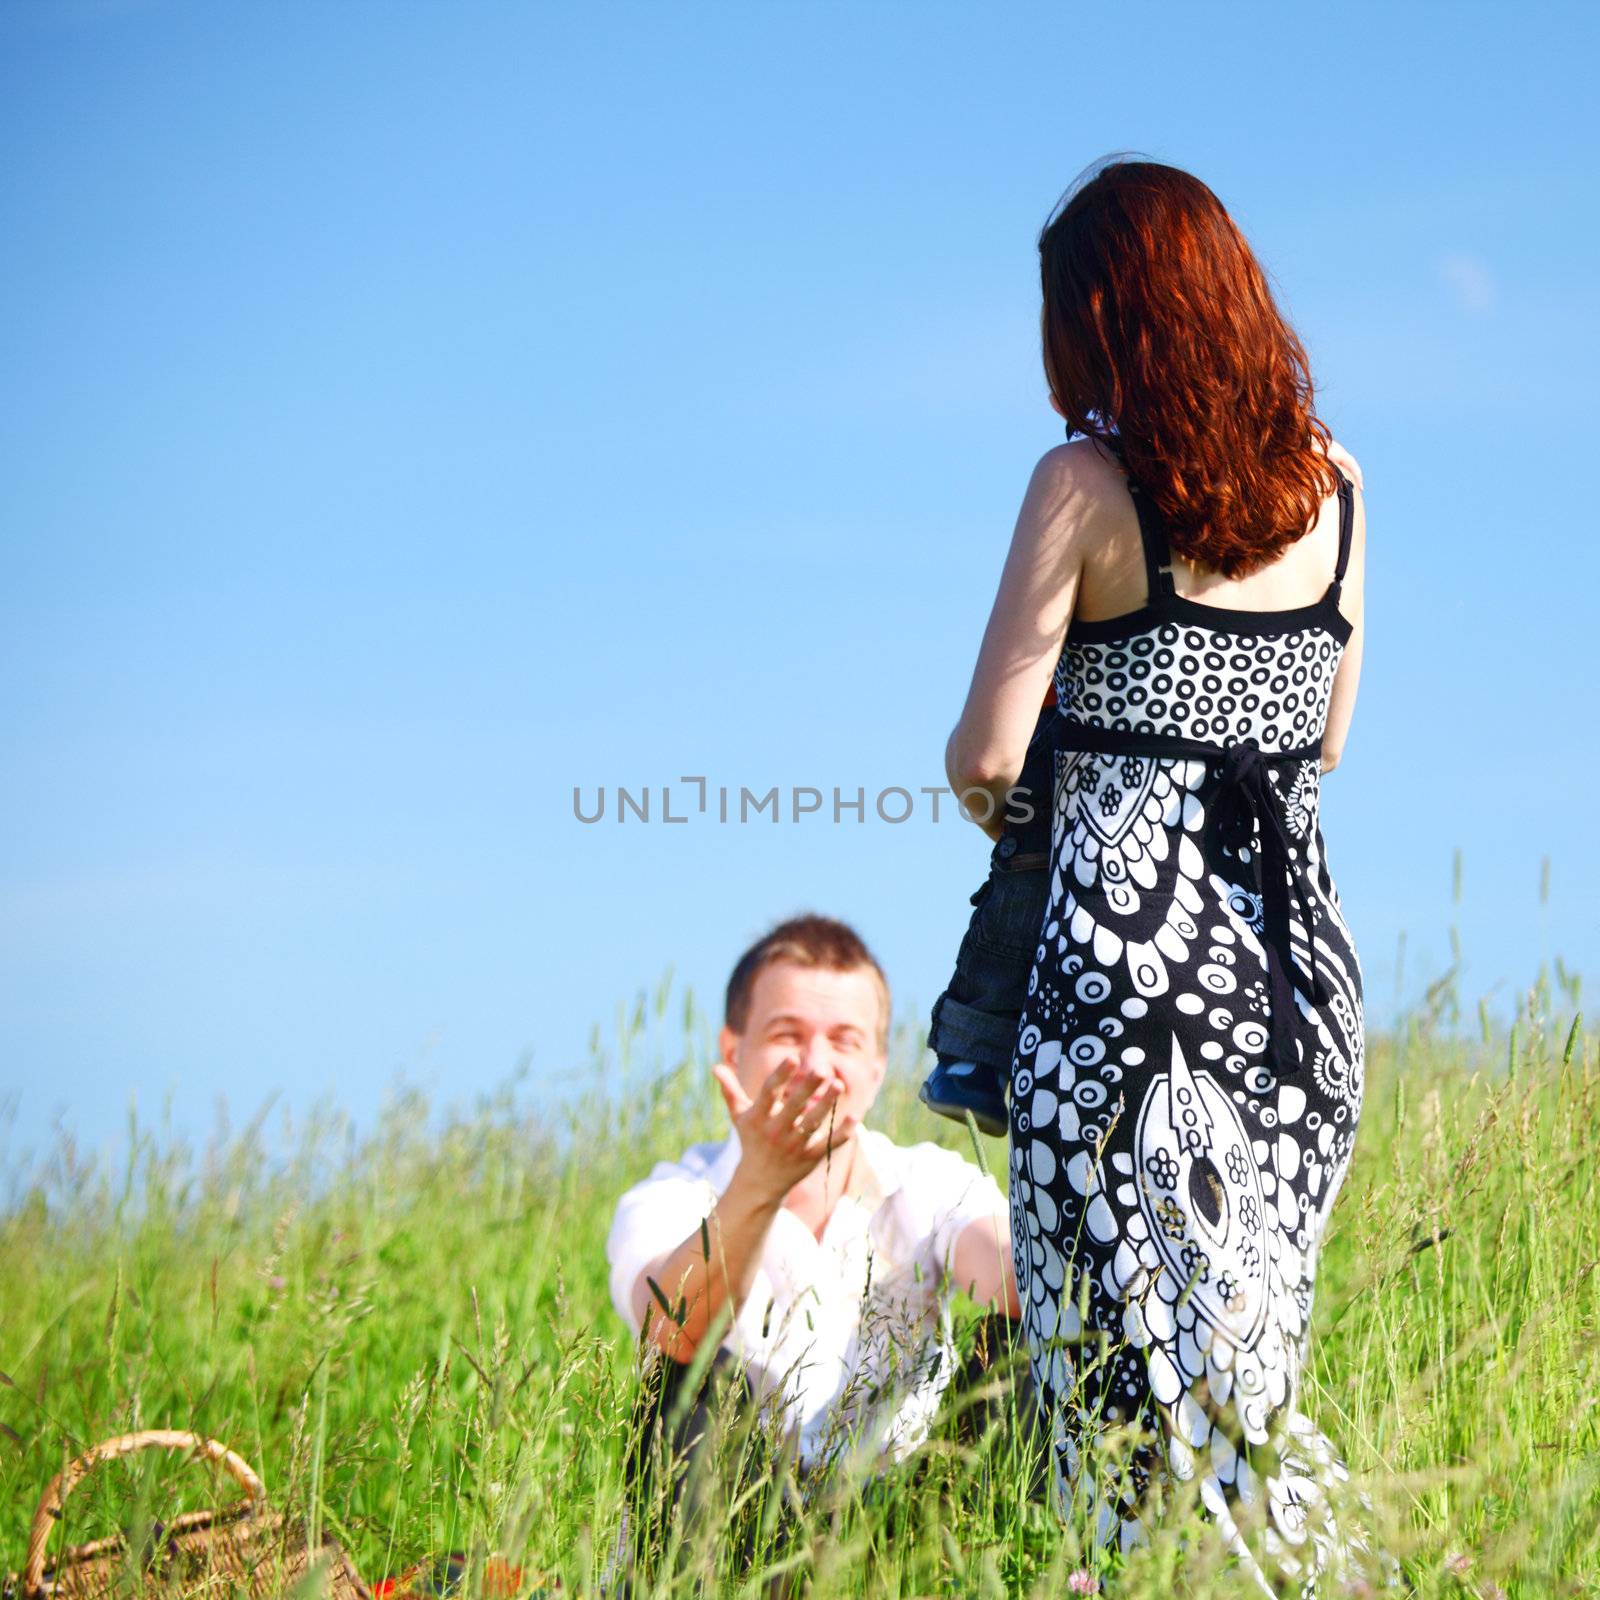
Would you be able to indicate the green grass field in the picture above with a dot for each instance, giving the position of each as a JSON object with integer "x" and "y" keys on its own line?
{"x": 409, "y": 1333}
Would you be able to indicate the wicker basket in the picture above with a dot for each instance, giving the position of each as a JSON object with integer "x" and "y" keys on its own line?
{"x": 244, "y": 1550}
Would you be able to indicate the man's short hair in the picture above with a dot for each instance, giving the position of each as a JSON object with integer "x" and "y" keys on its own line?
{"x": 808, "y": 940}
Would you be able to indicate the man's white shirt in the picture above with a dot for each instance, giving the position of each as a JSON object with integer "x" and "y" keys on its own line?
{"x": 828, "y": 1322}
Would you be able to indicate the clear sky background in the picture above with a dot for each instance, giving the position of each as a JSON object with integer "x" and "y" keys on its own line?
{"x": 414, "y": 411}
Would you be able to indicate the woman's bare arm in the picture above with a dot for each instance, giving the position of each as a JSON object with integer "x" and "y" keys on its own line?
{"x": 1023, "y": 639}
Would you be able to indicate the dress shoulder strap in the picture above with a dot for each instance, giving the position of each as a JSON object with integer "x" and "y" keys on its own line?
{"x": 1347, "y": 522}
{"x": 1157, "y": 550}
{"x": 1152, "y": 531}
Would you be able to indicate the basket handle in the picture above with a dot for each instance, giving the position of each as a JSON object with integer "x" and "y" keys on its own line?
{"x": 65, "y": 1481}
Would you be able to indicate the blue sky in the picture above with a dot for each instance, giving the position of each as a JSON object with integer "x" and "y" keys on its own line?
{"x": 414, "y": 411}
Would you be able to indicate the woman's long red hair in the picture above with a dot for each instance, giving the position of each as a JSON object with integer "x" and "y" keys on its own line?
{"x": 1158, "y": 321}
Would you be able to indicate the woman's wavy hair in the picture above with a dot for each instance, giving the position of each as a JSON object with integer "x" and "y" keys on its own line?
{"x": 1158, "y": 322}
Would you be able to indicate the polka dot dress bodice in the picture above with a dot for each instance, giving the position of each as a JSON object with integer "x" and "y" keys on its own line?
{"x": 1199, "y": 682}
{"x": 1187, "y": 1075}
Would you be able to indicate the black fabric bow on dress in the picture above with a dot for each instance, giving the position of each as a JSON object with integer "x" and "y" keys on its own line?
{"x": 1247, "y": 814}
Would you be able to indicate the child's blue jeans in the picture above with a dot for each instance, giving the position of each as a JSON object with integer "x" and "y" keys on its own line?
{"x": 976, "y": 1017}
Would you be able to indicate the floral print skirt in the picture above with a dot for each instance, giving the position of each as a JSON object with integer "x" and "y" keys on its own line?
{"x": 1172, "y": 1170}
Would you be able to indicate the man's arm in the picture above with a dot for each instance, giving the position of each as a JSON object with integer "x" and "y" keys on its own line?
{"x": 783, "y": 1133}
{"x": 981, "y": 1263}
{"x": 697, "y": 1284}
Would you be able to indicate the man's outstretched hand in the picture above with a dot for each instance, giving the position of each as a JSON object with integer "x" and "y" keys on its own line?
{"x": 788, "y": 1127}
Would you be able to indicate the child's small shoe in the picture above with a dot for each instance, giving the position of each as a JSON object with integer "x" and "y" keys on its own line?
{"x": 954, "y": 1088}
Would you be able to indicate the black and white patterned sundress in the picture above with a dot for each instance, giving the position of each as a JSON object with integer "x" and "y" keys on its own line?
{"x": 1188, "y": 1069}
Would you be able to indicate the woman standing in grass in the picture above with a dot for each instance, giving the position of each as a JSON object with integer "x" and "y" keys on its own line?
{"x": 1187, "y": 1074}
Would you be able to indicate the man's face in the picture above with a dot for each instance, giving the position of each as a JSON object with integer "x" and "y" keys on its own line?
{"x": 824, "y": 1020}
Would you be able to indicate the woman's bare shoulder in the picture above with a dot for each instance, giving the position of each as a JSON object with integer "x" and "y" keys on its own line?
{"x": 1080, "y": 458}
{"x": 1076, "y": 499}
{"x": 1342, "y": 458}
{"x": 1081, "y": 473}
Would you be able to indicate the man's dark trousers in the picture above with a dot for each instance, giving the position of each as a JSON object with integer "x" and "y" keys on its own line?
{"x": 678, "y": 1425}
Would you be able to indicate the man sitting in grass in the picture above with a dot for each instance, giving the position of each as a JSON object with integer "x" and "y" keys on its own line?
{"x": 819, "y": 1254}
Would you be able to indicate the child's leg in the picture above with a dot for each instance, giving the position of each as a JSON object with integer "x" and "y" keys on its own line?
{"x": 974, "y": 1024}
